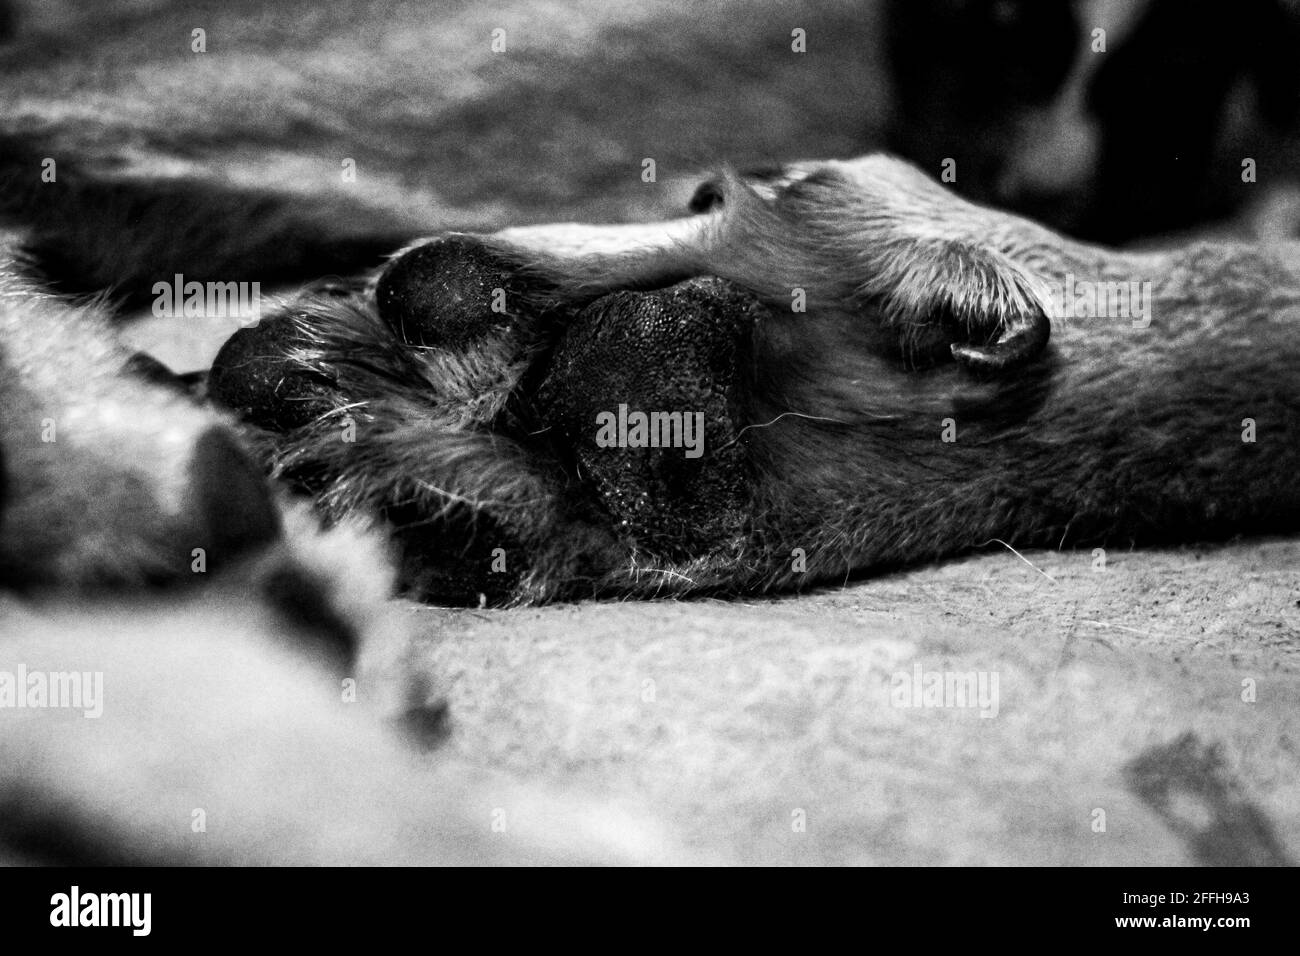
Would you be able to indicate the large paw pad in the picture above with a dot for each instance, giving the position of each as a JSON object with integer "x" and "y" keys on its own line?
{"x": 644, "y": 389}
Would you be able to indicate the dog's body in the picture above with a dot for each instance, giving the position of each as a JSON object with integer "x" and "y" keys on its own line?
{"x": 909, "y": 407}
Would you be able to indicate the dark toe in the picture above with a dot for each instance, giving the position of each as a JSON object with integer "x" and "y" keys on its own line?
{"x": 255, "y": 378}
{"x": 449, "y": 293}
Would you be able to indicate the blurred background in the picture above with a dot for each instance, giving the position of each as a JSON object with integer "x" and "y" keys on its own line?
{"x": 1110, "y": 119}
{"x": 1121, "y": 121}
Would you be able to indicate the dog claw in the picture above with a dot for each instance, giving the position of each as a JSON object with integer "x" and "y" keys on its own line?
{"x": 1020, "y": 341}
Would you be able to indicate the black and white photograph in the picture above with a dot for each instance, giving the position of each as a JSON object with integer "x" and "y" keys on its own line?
{"x": 692, "y": 433}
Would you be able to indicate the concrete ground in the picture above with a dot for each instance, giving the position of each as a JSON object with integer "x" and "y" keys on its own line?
{"x": 1146, "y": 710}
